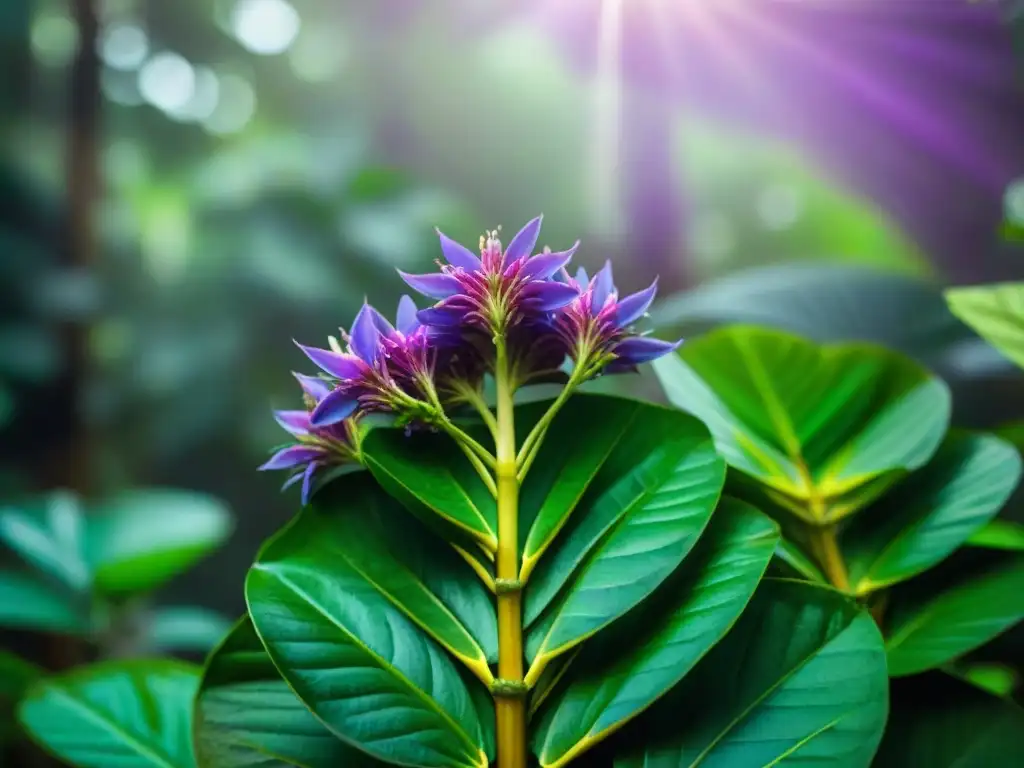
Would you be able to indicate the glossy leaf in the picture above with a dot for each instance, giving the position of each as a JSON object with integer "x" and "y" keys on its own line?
{"x": 140, "y": 539}
{"x": 925, "y": 633}
{"x": 932, "y": 512}
{"x": 999, "y": 534}
{"x": 824, "y": 429}
{"x": 126, "y": 714}
{"x": 248, "y": 717}
{"x": 643, "y": 513}
{"x": 996, "y": 312}
{"x": 665, "y": 637}
{"x": 346, "y": 618}
{"x": 26, "y": 603}
{"x": 938, "y": 721}
{"x": 432, "y": 470}
{"x": 185, "y": 628}
{"x": 50, "y": 534}
{"x": 800, "y": 679}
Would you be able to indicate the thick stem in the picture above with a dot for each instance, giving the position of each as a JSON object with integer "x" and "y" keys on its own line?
{"x": 826, "y": 550}
{"x": 510, "y": 710}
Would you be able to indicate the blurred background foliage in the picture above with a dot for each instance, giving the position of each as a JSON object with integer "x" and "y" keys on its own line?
{"x": 264, "y": 165}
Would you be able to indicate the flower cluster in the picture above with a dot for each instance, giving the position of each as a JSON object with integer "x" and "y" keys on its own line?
{"x": 315, "y": 448}
{"x": 508, "y": 308}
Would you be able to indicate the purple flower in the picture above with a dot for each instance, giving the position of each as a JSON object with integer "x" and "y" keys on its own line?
{"x": 498, "y": 290}
{"x": 315, "y": 449}
{"x": 386, "y": 368}
{"x": 596, "y": 328}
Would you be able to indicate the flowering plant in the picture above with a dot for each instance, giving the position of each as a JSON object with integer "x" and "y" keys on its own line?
{"x": 593, "y": 580}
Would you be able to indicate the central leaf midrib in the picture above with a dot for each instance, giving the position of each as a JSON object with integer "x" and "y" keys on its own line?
{"x": 416, "y": 692}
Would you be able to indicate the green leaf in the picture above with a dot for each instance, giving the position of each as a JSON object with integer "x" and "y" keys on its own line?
{"x": 346, "y": 618}
{"x": 666, "y": 636}
{"x": 823, "y": 429}
{"x": 642, "y": 514}
{"x": 129, "y": 714}
{"x": 248, "y": 717}
{"x": 999, "y": 534}
{"x": 140, "y": 539}
{"x": 26, "y": 603}
{"x": 932, "y": 512}
{"x": 938, "y": 721}
{"x": 996, "y": 312}
{"x": 800, "y": 679}
{"x": 997, "y": 679}
{"x": 185, "y": 628}
{"x": 50, "y": 534}
{"x": 432, "y": 470}
{"x": 794, "y": 557}
{"x": 923, "y": 633}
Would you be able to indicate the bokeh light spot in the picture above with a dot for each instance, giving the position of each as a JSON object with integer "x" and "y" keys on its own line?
{"x": 54, "y": 39}
{"x": 318, "y": 55}
{"x": 236, "y": 106}
{"x": 167, "y": 81}
{"x": 779, "y": 207}
{"x": 124, "y": 47}
{"x": 265, "y": 27}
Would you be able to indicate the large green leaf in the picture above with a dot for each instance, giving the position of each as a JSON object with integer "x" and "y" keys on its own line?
{"x": 996, "y": 312}
{"x": 357, "y": 630}
{"x": 27, "y": 603}
{"x": 642, "y": 514}
{"x": 823, "y": 429}
{"x": 925, "y": 630}
{"x": 431, "y": 469}
{"x": 140, "y": 539}
{"x": 50, "y": 534}
{"x": 248, "y": 717}
{"x": 938, "y": 721}
{"x": 126, "y": 714}
{"x": 666, "y": 636}
{"x": 932, "y": 512}
{"x": 800, "y": 679}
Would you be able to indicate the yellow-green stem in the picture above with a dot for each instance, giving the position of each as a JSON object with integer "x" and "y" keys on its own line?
{"x": 510, "y": 711}
{"x": 826, "y": 549}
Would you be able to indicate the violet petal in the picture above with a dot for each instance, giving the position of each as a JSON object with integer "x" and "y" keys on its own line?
{"x": 436, "y": 285}
{"x": 381, "y": 323}
{"x": 440, "y": 316}
{"x": 406, "y": 318}
{"x": 603, "y": 286}
{"x": 544, "y": 265}
{"x": 340, "y": 366}
{"x": 548, "y": 296}
{"x": 643, "y": 349}
{"x": 307, "y": 482}
{"x": 364, "y": 335}
{"x": 582, "y": 278}
{"x": 633, "y": 307}
{"x": 314, "y": 386}
{"x": 292, "y": 456}
{"x": 294, "y": 422}
{"x": 459, "y": 255}
{"x": 523, "y": 243}
{"x": 337, "y": 406}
